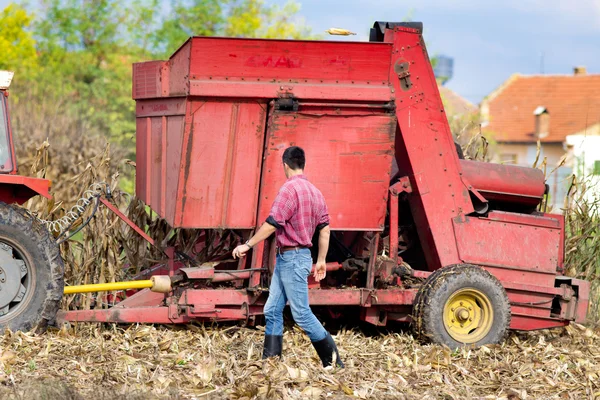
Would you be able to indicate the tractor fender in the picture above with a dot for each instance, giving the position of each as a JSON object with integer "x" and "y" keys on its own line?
{"x": 19, "y": 189}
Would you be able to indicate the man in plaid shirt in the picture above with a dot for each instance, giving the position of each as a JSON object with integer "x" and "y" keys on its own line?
{"x": 298, "y": 210}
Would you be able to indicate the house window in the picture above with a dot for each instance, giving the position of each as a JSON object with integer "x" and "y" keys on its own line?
{"x": 596, "y": 167}
{"x": 508, "y": 158}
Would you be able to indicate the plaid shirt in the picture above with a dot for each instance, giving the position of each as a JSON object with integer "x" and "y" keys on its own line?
{"x": 297, "y": 211}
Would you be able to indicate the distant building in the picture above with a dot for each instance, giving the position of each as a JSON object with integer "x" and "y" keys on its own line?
{"x": 561, "y": 111}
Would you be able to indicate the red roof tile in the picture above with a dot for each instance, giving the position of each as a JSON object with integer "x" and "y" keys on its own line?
{"x": 572, "y": 101}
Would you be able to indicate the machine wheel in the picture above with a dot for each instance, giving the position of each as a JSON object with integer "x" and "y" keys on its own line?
{"x": 31, "y": 271}
{"x": 462, "y": 305}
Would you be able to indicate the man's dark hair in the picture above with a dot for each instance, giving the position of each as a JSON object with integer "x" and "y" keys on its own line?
{"x": 294, "y": 157}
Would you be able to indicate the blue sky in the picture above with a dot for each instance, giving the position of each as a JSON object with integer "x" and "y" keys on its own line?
{"x": 489, "y": 40}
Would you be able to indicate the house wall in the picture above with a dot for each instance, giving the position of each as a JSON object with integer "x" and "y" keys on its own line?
{"x": 505, "y": 152}
{"x": 585, "y": 152}
{"x": 525, "y": 153}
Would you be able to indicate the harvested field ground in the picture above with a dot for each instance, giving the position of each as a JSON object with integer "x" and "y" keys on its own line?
{"x": 142, "y": 362}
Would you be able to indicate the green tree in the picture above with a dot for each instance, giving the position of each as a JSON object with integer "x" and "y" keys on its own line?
{"x": 235, "y": 18}
{"x": 87, "y": 47}
{"x": 187, "y": 18}
{"x": 17, "y": 46}
{"x": 253, "y": 18}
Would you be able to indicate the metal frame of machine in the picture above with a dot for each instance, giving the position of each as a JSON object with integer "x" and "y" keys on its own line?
{"x": 213, "y": 120}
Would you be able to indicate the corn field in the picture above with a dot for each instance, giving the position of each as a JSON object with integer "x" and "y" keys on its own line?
{"x": 582, "y": 247}
{"x": 224, "y": 361}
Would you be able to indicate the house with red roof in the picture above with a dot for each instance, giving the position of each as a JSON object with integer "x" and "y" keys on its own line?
{"x": 562, "y": 112}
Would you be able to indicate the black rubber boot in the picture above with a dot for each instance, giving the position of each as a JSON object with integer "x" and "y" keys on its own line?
{"x": 272, "y": 347}
{"x": 325, "y": 349}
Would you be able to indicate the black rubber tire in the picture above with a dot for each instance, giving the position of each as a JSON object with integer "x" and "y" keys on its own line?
{"x": 19, "y": 226}
{"x": 429, "y": 304}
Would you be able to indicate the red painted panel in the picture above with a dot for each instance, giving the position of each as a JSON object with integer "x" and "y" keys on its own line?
{"x": 290, "y": 60}
{"x": 159, "y": 138}
{"x": 260, "y": 90}
{"x": 528, "y": 304}
{"x": 522, "y": 276}
{"x": 148, "y": 315}
{"x": 529, "y": 323}
{"x": 506, "y": 183}
{"x": 223, "y": 297}
{"x": 146, "y": 79}
{"x": 348, "y": 157}
{"x": 213, "y": 297}
{"x": 583, "y": 299}
{"x": 19, "y": 189}
{"x": 220, "y": 168}
{"x": 160, "y": 107}
{"x": 526, "y": 299}
{"x": 531, "y": 311}
{"x": 246, "y": 159}
{"x": 143, "y": 298}
{"x": 155, "y": 161}
{"x": 495, "y": 243}
{"x": 561, "y": 254}
{"x": 173, "y": 164}
{"x": 548, "y": 220}
{"x": 178, "y": 71}
{"x": 529, "y": 288}
{"x": 141, "y": 159}
{"x": 425, "y": 149}
{"x": 163, "y": 165}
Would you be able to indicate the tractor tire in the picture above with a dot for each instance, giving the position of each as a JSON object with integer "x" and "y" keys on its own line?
{"x": 462, "y": 305}
{"x": 31, "y": 272}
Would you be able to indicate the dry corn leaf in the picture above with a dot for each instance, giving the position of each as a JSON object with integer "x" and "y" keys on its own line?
{"x": 8, "y": 356}
{"x": 311, "y": 392}
{"x": 215, "y": 360}
{"x": 296, "y": 373}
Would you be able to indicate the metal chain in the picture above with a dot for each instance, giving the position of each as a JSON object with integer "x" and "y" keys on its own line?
{"x": 60, "y": 225}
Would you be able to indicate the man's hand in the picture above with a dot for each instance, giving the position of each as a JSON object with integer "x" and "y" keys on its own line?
{"x": 240, "y": 251}
{"x": 320, "y": 270}
{"x": 264, "y": 232}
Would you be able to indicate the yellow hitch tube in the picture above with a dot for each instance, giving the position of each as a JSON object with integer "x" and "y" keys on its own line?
{"x": 158, "y": 283}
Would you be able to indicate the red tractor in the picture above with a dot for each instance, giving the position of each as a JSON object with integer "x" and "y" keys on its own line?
{"x": 31, "y": 269}
{"x": 459, "y": 248}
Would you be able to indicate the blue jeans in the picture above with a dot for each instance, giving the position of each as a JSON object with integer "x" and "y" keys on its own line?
{"x": 289, "y": 283}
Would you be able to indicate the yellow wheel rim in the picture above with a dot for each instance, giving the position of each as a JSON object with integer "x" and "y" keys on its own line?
{"x": 468, "y": 315}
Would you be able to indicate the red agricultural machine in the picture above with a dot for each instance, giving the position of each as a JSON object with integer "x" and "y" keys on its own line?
{"x": 459, "y": 248}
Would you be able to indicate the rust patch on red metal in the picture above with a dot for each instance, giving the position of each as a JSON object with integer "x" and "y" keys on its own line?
{"x": 270, "y": 61}
{"x": 188, "y": 164}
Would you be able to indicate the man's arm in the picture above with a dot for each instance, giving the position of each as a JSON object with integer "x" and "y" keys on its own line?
{"x": 284, "y": 206}
{"x": 264, "y": 232}
{"x": 321, "y": 268}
